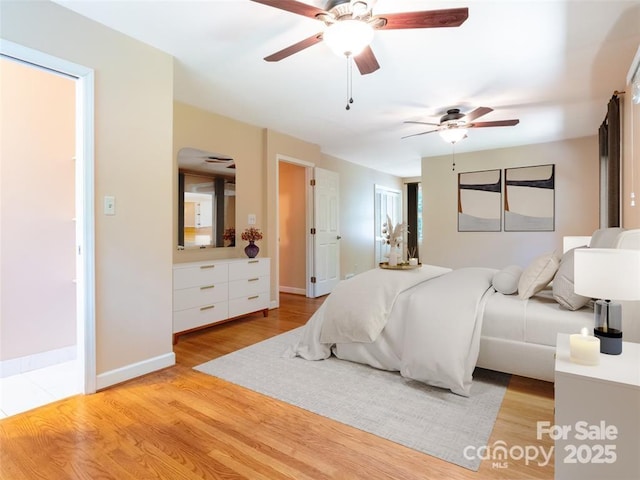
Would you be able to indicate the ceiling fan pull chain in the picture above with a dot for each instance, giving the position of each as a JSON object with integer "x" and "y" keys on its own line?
{"x": 453, "y": 167}
{"x": 349, "y": 82}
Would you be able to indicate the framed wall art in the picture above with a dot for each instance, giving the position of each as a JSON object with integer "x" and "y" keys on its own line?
{"x": 479, "y": 201}
{"x": 529, "y": 199}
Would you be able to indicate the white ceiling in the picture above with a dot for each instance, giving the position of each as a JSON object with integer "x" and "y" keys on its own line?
{"x": 551, "y": 63}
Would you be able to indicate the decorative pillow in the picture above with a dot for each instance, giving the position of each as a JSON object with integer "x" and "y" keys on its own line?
{"x": 506, "y": 280}
{"x": 537, "y": 275}
{"x": 563, "y": 288}
{"x": 605, "y": 237}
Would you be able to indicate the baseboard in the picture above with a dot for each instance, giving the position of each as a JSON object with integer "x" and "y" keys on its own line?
{"x": 134, "y": 370}
{"x": 16, "y": 366}
{"x": 294, "y": 290}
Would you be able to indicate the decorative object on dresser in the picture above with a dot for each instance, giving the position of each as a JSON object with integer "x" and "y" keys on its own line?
{"x": 597, "y": 419}
{"x": 393, "y": 235}
{"x": 250, "y": 235}
{"x": 206, "y": 293}
{"x": 608, "y": 274}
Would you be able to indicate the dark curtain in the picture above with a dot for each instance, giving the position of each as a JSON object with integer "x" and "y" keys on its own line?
{"x": 412, "y": 220}
{"x": 609, "y": 139}
{"x": 181, "y": 209}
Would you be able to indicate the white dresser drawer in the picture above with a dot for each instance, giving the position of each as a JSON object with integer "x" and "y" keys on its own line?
{"x": 250, "y": 268}
{"x": 252, "y": 303}
{"x": 248, "y": 287}
{"x": 205, "y": 273}
{"x": 200, "y": 316}
{"x": 200, "y": 296}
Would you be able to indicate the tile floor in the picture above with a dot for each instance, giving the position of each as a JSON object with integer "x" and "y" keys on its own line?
{"x": 19, "y": 393}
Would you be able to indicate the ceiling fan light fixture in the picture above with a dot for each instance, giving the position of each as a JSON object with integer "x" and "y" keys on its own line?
{"x": 348, "y": 37}
{"x": 453, "y": 134}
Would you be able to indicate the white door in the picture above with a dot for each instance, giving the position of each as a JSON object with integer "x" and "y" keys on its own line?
{"x": 326, "y": 246}
{"x": 388, "y": 202}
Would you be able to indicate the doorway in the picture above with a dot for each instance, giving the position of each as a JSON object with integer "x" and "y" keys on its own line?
{"x": 47, "y": 218}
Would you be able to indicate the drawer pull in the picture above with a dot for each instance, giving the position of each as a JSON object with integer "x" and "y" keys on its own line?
{"x": 207, "y": 287}
{"x": 253, "y": 280}
{"x": 253, "y": 261}
{"x": 254, "y": 297}
{"x": 207, "y": 266}
{"x": 208, "y": 307}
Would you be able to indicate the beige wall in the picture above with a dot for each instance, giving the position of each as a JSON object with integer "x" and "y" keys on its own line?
{"x": 37, "y": 207}
{"x": 258, "y": 152}
{"x": 292, "y": 222}
{"x": 630, "y": 154}
{"x": 576, "y": 204}
{"x": 357, "y": 191}
{"x": 197, "y": 128}
{"x": 133, "y": 162}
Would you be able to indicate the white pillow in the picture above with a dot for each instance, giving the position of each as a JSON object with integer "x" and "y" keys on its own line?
{"x": 537, "y": 275}
{"x": 506, "y": 280}
{"x": 563, "y": 288}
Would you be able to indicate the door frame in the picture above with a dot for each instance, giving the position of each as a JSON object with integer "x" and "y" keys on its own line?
{"x": 308, "y": 176}
{"x": 85, "y": 236}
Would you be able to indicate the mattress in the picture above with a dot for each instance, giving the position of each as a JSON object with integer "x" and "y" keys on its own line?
{"x": 536, "y": 320}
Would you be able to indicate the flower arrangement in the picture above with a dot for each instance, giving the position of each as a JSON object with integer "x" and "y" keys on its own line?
{"x": 251, "y": 234}
{"x": 393, "y": 234}
{"x": 229, "y": 234}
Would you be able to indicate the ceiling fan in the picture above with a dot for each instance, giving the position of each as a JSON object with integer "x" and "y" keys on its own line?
{"x": 349, "y": 27}
{"x": 454, "y": 124}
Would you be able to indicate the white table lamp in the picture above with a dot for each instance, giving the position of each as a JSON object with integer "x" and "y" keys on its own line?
{"x": 607, "y": 274}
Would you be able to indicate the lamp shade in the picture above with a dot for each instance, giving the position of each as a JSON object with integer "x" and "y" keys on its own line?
{"x": 607, "y": 273}
{"x": 348, "y": 37}
{"x": 453, "y": 135}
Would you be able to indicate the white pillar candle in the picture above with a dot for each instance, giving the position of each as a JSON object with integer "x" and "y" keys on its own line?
{"x": 413, "y": 261}
{"x": 584, "y": 348}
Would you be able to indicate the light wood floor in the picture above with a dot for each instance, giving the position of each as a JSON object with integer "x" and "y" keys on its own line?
{"x": 182, "y": 424}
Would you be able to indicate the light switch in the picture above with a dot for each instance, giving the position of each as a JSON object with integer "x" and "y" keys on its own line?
{"x": 109, "y": 205}
{"x": 252, "y": 219}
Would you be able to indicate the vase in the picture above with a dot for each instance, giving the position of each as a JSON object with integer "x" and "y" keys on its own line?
{"x": 393, "y": 258}
{"x": 252, "y": 249}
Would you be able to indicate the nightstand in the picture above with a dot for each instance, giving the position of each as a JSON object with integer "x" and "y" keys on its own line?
{"x": 597, "y": 415}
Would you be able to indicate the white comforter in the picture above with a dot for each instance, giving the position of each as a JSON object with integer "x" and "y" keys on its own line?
{"x": 430, "y": 327}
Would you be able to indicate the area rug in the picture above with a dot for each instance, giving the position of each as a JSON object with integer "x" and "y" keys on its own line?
{"x": 428, "y": 419}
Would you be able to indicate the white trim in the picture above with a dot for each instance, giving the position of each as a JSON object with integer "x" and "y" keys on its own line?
{"x": 85, "y": 232}
{"x": 635, "y": 67}
{"x": 134, "y": 370}
{"x": 16, "y": 366}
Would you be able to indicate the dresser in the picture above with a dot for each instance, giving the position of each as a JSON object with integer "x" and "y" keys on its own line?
{"x": 206, "y": 293}
{"x": 597, "y": 415}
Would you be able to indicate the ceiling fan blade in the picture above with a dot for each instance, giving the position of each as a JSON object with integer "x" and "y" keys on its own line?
{"x": 498, "y": 123}
{"x": 366, "y": 61}
{"x": 451, "y": 17}
{"x": 478, "y": 112}
{"x": 416, "y": 134}
{"x": 423, "y": 123}
{"x": 293, "y": 7}
{"x": 295, "y": 48}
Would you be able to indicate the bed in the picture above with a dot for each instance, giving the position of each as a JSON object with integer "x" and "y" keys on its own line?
{"x": 435, "y": 324}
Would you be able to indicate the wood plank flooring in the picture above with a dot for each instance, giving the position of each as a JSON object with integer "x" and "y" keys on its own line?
{"x": 181, "y": 424}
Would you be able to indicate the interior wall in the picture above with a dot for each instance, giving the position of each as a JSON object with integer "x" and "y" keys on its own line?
{"x": 630, "y": 161}
{"x": 292, "y": 239}
{"x": 576, "y": 204}
{"x": 37, "y": 207}
{"x": 197, "y": 128}
{"x": 133, "y": 162}
{"x": 357, "y": 212}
